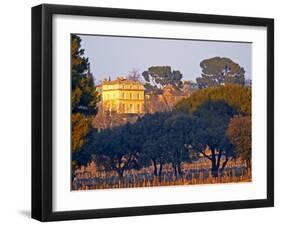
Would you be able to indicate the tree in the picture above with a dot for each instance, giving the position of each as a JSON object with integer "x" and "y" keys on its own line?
{"x": 220, "y": 71}
{"x": 156, "y": 77}
{"x": 83, "y": 101}
{"x": 237, "y": 96}
{"x": 134, "y": 75}
{"x": 116, "y": 149}
{"x": 154, "y": 139}
{"x": 83, "y": 96}
{"x": 178, "y": 136}
{"x": 80, "y": 128}
{"x": 165, "y": 139}
{"x": 107, "y": 119}
{"x": 210, "y": 128}
{"x": 239, "y": 133}
{"x": 154, "y": 144}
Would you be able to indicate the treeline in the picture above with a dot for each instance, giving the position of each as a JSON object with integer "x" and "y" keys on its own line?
{"x": 216, "y": 71}
{"x": 176, "y": 137}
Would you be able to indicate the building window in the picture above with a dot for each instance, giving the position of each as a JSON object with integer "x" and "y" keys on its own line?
{"x": 131, "y": 95}
{"x": 126, "y": 107}
{"x": 138, "y": 108}
{"x": 131, "y": 108}
{"x": 122, "y": 95}
{"x": 138, "y": 96}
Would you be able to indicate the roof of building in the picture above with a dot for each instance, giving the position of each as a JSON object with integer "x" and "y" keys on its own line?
{"x": 121, "y": 80}
{"x": 172, "y": 90}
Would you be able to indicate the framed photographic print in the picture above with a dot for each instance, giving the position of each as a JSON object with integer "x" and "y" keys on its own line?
{"x": 145, "y": 112}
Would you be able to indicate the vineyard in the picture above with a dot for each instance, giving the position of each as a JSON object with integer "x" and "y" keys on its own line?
{"x": 88, "y": 177}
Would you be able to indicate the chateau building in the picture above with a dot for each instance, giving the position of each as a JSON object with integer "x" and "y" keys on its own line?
{"x": 122, "y": 96}
{"x": 163, "y": 100}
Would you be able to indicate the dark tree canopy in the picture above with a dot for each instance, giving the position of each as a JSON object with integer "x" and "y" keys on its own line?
{"x": 115, "y": 149}
{"x": 166, "y": 137}
{"x": 155, "y": 139}
{"x": 156, "y": 77}
{"x": 212, "y": 122}
{"x": 178, "y": 138}
{"x": 154, "y": 143}
{"x": 219, "y": 71}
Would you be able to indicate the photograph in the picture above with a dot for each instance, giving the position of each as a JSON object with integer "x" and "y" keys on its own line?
{"x": 144, "y": 112}
{"x": 149, "y": 111}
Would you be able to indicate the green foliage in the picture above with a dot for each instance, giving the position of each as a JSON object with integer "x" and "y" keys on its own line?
{"x": 167, "y": 137}
{"x": 116, "y": 148}
{"x": 154, "y": 139}
{"x": 213, "y": 108}
{"x": 217, "y": 71}
{"x": 178, "y": 138}
{"x": 212, "y": 120}
{"x": 80, "y": 127}
{"x": 158, "y": 76}
{"x": 83, "y": 94}
{"x": 152, "y": 129}
{"x": 153, "y": 142}
{"x": 240, "y": 134}
{"x": 235, "y": 95}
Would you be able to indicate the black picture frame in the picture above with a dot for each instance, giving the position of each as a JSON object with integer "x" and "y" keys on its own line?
{"x": 42, "y": 107}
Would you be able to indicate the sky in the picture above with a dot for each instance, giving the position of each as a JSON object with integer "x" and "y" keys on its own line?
{"x": 116, "y": 56}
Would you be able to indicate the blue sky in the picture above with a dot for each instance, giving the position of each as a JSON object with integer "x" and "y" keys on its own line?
{"x": 115, "y": 56}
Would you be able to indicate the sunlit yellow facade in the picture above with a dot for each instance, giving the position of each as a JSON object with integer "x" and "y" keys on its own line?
{"x": 123, "y": 96}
